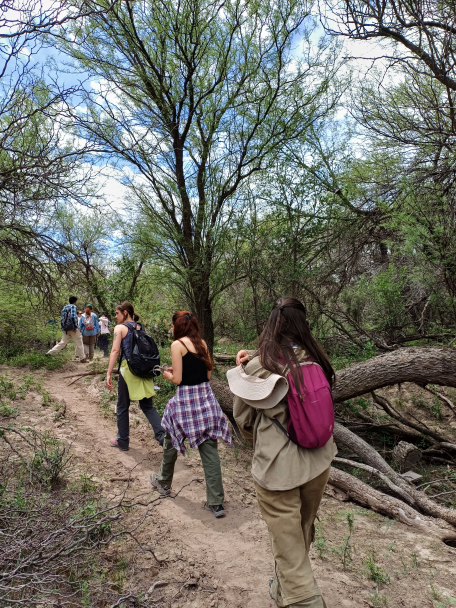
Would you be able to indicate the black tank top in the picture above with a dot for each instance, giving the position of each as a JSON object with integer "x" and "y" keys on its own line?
{"x": 194, "y": 370}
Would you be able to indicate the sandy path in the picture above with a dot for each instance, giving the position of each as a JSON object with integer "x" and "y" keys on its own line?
{"x": 232, "y": 555}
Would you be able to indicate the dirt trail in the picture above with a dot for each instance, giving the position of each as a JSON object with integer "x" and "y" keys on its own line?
{"x": 231, "y": 557}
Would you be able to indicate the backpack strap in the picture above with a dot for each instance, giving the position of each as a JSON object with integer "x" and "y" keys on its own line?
{"x": 279, "y": 426}
{"x": 121, "y": 347}
{"x": 183, "y": 345}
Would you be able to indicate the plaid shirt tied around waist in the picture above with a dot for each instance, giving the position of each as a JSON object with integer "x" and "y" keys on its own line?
{"x": 194, "y": 413}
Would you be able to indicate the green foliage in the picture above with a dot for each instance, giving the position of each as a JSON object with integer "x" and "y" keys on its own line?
{"x": 436, "y": 408}
{"x": 34, "y": 360}
{"x": 320, "y": 542}
{"x": 6, "y": 411}
{"x": 107, "y": 398}
{"x": 51, "y": 459}
{"x": 375, "y": 572}
{"x": 345, "y": 550}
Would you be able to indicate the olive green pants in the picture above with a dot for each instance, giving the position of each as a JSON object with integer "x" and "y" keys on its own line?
{"x": 211, "y": 465}
{"x": 290, "y": 515}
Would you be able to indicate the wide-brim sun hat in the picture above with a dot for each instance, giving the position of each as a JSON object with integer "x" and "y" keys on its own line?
{"x": 260, "y": 393}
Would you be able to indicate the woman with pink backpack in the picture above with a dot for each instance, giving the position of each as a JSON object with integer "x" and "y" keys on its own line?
{"x": 90, "y": 329}
{"x": 290, "y": 479}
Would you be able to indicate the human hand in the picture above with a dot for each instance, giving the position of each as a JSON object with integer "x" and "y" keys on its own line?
{"x": 109, "y": 385}
{"x": 168, "y": 374}
{"x": 242, "y": 357}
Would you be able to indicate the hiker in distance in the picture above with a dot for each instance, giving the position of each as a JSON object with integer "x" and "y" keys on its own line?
{"x": 103, "y": 340}
{"x": 90, "y": 330}
{"x": 289, "y": 479}
{"x": 130, "y": 387}
{"x": 69, "y": 324}
{"x": 193, "y": 413}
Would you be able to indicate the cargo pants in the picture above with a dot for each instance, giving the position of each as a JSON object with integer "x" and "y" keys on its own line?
{"x": 211, "y": 465}
{"x": 290, "y": 515}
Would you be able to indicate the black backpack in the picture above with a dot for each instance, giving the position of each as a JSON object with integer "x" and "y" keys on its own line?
{"x": 67, "y": 321}
{"x": 144, "y": 355}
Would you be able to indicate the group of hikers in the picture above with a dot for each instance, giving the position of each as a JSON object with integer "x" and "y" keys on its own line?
{"x": 83, "y": 328}
{"x": 289, "y": 477}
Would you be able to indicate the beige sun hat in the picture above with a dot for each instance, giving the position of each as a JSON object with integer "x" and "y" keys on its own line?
{"x": 260, "y": 393}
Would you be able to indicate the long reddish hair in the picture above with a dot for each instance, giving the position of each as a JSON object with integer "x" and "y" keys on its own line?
{"x": 187, "y": 326}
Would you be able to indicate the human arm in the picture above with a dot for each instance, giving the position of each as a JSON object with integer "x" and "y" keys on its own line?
{"x": 245, "y": 417}
{"x": 174, "y": 374}
{"x": 96, "y": 325}
{"x": 209, "y": 371}
{"x": 119, "y": 333}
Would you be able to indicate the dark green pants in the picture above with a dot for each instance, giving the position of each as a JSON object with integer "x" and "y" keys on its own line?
{"x": 211, "y": 465}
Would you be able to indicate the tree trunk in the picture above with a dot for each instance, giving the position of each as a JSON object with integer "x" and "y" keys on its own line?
{"x": 394, "y": 508}
{"x": 419, "y": 365}
{"x": 203, "y": 312}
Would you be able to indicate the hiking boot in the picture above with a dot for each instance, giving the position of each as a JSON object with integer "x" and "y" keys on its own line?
{"x": 158, "y": 485}
{"x": 115, "y": 444}
{"x": 217, "y": 510}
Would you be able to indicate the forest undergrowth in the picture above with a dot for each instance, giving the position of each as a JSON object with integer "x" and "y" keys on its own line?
{"x": 113, "y": 544}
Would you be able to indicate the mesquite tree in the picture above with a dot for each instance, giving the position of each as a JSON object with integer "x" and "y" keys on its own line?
{"x": 196, "y": 98}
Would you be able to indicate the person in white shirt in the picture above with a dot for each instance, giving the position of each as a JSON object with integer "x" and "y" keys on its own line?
{"x": 103, "y": 339}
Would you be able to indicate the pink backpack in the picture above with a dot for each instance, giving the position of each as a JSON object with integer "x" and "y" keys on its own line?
{"x": 311, "y": 421}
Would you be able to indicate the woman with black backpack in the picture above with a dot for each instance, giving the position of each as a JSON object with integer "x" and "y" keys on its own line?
{"x": 130, "y": 387}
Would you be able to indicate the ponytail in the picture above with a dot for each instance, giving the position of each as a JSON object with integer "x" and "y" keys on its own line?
{"x": 127, "y": 307}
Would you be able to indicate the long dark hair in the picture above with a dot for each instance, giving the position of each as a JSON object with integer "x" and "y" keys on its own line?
{"x": 287, "y": 327}
{"x": 186, "y": 326}
{"x": 127, "y": 307}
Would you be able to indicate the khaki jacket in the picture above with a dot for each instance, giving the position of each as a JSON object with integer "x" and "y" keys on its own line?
{"x": 278, "y": 463}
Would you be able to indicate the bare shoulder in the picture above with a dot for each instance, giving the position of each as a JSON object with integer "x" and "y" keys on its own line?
{"x": 120, "y": 330}
{"x": 186, "y": 345}
{"x": 177, "y": 346}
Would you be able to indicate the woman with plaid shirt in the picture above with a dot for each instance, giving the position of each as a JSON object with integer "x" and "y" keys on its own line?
{"x": 193, "y": 413}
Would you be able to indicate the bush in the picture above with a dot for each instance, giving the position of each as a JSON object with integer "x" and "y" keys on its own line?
{"x": 52, "y": 534}
{"x": 33, "y": 360}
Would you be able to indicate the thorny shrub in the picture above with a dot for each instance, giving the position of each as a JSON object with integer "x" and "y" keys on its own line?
{"x": 52, "y": 534}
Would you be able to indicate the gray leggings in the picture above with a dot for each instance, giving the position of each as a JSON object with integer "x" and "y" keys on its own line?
{"x": 123, "y": 418}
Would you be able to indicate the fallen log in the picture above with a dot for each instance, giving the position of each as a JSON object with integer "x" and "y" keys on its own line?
{"x": 427, "y": 365}
{"x": 373, "y": 458}
{"x": 366, "y": 496}
{"x": 224, "y": 358}
{"x": 421, "y": 428}
{"x": 364, "y": 467}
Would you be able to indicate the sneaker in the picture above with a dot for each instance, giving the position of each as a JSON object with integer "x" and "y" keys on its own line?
{"x": 217, "y": 510}
{"x": 114, "y": 444}
{"x": 158, "y": 485}
{"x": 83, "y": 360}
